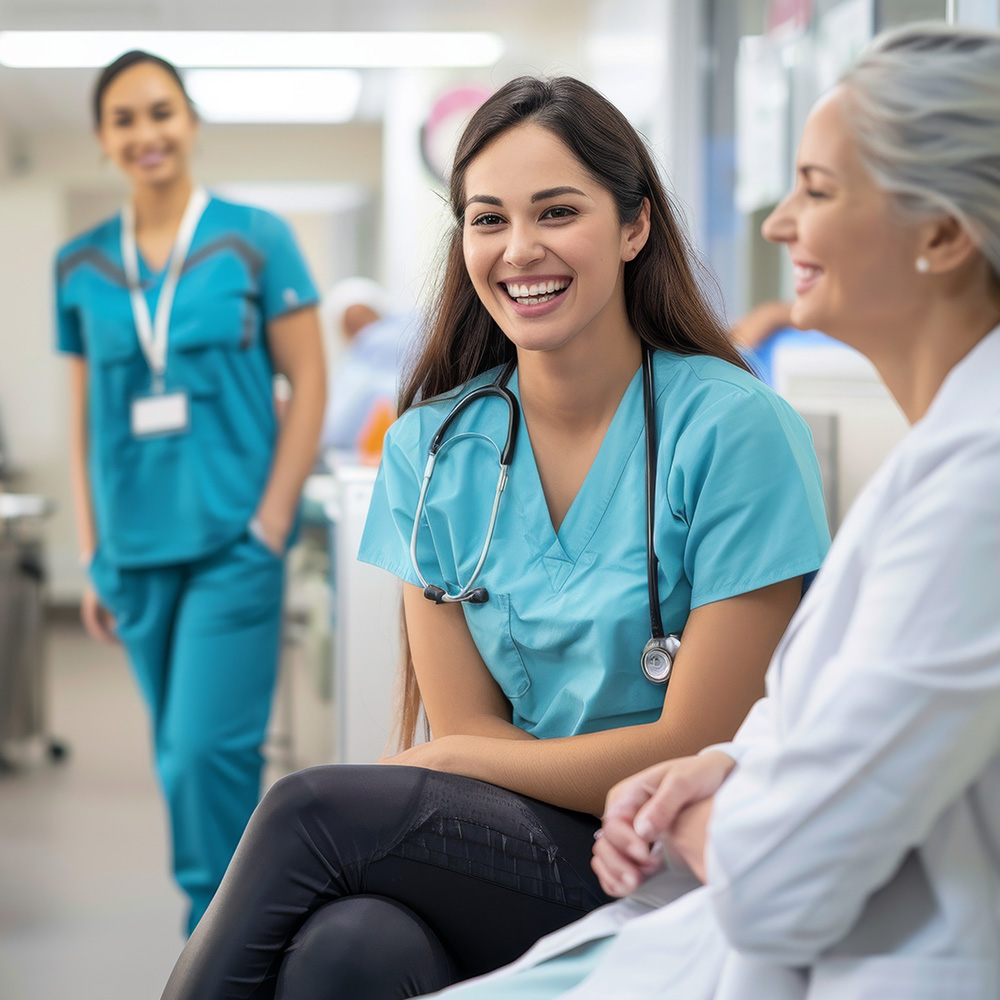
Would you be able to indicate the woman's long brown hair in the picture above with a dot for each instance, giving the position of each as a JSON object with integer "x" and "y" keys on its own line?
{"x": 665, "y": 306}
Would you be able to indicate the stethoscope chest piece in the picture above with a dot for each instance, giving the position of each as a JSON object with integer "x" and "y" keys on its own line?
{"x": 658, "y": 657}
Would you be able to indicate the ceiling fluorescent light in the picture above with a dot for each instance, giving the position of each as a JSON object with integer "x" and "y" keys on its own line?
{"x": 253, "y": 49}
{"x": 274, "y": 95}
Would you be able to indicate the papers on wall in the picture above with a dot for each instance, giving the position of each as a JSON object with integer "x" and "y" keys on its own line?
{"x": 842, "y": 33}
{"x": 762, "y": 126}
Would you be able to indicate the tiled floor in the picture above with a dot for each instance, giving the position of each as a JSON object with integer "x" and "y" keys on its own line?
{"x": 87, "y": 908}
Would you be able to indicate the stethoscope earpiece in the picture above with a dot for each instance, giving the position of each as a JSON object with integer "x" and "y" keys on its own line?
{"x": 479, "y": 596}
{"x": 435, "y": 594}
{"x": 658, "y": 657}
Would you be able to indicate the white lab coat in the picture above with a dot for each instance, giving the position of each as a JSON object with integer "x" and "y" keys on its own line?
{"x": 854, "y": 853}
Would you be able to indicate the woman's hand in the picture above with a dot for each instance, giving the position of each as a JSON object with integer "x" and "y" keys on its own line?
{"x": 271, "y": 531}
{"x": 643, "y": 809}
{"x": 457, "y": 754}
{"x": 97, "y": 620}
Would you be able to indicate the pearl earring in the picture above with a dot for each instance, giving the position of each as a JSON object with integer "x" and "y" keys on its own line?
{"x": 923, "y": 265}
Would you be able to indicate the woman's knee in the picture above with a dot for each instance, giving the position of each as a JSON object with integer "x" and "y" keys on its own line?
{"x": 363, "y": 946}
{"x": 372, "y": 804}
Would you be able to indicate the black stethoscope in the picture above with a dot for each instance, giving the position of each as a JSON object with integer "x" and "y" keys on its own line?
{"x": 658, "y": 655}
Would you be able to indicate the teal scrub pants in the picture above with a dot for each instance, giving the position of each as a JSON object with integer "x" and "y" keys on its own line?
{"x": 203, "y": 638}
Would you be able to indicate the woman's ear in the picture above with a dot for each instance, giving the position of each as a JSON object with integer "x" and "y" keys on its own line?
{"x": 945, "y": 245}
{"x": 636, "y": 233}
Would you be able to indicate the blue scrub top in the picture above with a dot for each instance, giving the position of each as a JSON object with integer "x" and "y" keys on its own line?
{"x": 179, "y": 497}
{"x": 739, "y": 505}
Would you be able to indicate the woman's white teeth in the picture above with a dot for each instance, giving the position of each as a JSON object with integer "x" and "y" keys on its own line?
{"x": 539, "y": 291}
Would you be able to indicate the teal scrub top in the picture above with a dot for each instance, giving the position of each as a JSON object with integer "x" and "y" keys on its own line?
{"x": 739, "y": 505}
{"x": 178, "y": 497}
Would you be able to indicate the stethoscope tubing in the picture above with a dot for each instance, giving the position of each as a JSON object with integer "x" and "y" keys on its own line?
{"x": 652, "y": 563}
{"x": 657, "y": 657}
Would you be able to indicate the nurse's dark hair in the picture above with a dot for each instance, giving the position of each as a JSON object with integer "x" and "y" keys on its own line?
{"x": 126, "y": 61}
{"x": 664, "y": 302}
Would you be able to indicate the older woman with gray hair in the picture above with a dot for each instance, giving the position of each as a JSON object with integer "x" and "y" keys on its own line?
{"x": 849, "y": 837}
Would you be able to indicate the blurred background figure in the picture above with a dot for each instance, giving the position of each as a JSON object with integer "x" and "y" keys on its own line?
{"x": 367, "y": 346}
{"x": 175, "y": 315}
{"x": 346, "y": 309}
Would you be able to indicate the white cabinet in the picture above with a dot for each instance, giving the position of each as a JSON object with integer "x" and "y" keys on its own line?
{"x": 366, "y": 616}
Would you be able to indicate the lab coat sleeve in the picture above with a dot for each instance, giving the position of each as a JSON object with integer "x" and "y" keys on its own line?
{"x": 69, "y": 337}
{"x": 899, "y": 722}
{"x": 745, "y": 480}
{"x": 285, "y": 283}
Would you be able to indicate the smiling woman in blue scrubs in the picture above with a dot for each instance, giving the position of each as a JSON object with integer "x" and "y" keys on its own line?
{"x": 176, "y": 315}
{"x": 387, "y": 881}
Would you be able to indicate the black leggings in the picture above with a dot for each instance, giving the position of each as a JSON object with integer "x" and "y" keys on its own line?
{"x": 378, "y": 882}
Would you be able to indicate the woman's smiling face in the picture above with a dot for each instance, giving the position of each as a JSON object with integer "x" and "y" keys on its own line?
{"x": 147, "y": 128}
{"x": 542, "y": 240}
{"x": 854, "y": 258}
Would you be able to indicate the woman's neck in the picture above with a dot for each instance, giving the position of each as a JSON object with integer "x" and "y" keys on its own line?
{"x": 580, "y": 385}
{"x": 917, "y": 363}
{"x": 161, "y": 207}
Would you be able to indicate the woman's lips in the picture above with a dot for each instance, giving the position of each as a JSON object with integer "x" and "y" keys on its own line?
{"x": 806, "y": 275}
{"x": 535, "y": 296}
{"x": 149, "y": 160}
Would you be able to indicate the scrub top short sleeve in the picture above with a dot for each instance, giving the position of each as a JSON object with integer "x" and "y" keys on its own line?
{"x": 285, "y": 284}
{"x": 386, "y": 538}
{"x": 745, "y": 484}
{"x": 69, "y": 336}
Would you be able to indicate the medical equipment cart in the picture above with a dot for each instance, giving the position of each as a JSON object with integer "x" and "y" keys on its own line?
{"x": 22, "y": 645}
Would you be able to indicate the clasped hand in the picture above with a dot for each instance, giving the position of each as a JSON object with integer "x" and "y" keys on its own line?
{"x": 664, "y": 809}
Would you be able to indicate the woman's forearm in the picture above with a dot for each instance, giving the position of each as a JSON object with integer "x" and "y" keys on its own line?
{"x": 295, "y": 453}
{"x": 574, "y": 772}
{"x": 296, "y": 350}
{"x": 78, "y": 451}
{"x": 718, "y": 675}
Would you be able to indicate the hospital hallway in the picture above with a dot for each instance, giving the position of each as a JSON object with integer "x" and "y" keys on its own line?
{"x": 87, "y": 906}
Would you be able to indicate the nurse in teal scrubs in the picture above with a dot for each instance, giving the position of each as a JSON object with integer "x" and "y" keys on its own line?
{"x": 176, "y": 315}
{"x": 392, "y": 879}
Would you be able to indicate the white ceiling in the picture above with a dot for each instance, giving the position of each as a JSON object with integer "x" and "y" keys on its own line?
{"x": 540, "y": 35}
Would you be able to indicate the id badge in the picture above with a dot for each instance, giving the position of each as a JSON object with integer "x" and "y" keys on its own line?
{"x": 159, "y": 414}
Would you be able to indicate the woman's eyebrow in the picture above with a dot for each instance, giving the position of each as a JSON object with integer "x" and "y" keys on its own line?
{"x": 555, "y": 193}
{"x": 808, "y": 168}
{"x": 486, "y": 199}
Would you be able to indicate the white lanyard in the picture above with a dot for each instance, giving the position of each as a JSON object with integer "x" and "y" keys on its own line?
{"x": 154, "y": 333}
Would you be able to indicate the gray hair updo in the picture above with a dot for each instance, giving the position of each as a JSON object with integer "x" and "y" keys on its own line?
{"x": 924, "y": 104}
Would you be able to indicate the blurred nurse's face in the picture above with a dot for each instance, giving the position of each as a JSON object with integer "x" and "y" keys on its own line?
{"x": 854, "y": 259}
{"x": 147, "y": 129}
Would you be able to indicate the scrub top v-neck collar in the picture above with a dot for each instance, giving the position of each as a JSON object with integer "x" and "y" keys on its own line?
{"x": 563, "y": 549}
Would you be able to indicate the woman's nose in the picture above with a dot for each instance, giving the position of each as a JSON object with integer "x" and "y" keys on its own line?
{"x": 779, "y": 226}
{"x": 144, "y": 130}
{"x": 523, "y": 247}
